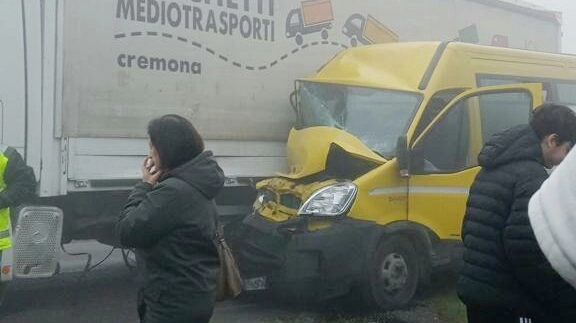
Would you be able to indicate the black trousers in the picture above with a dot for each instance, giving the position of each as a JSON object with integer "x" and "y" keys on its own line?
{"x": 479, "y": 314}
{"x": 194, "y": 309}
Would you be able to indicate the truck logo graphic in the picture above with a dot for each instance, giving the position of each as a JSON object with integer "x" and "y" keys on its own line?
{"x": 314, "y": 16}
{"x": 367, "y": 31}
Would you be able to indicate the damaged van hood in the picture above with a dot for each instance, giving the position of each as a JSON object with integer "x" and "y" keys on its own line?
{"x": 309, "y": 150}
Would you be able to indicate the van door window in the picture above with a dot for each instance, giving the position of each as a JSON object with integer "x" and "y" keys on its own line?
{"x": 567, "y": 94}
{"x": 435, "y": 105}
{"x": 548, "y": 86}
{"x": 554, "y": 90}
{"x": 502, "y": 111}
{"x": 445, "y": 149}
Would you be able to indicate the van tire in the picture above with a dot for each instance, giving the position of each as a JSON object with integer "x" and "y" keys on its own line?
{"x": 394, "y": 274}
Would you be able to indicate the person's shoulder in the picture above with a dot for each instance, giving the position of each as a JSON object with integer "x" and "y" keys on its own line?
{"x": 514, "y": 171}
{"x": 177, "y": 186}
{"x": 11, "y": 153}
{"x": 172, "y": 183}
{"x": 518, "y": 166}
{"x": 528, "y": 168}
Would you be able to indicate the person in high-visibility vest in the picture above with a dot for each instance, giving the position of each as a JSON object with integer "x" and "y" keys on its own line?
{"x": 17, "y": 186}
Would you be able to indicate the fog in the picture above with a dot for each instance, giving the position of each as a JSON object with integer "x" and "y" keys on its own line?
{"x": 568, "y": 10}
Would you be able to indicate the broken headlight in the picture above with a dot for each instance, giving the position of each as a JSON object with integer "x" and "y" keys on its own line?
{"x": 332, "y": 200}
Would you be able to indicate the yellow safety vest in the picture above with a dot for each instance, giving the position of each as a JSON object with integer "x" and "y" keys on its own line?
{"x": 5, "y": 238}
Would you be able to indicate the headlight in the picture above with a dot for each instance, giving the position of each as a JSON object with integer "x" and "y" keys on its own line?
{"x": 332, "y": 200}
{"x": 263, "y": 198}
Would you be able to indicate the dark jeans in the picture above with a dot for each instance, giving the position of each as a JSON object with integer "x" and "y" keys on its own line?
{"x": 478, "y": 314}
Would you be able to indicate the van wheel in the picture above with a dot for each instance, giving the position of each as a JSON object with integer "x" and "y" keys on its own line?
{"x": 299, "y": 39}
{"x": 324, "y": 34}
{"x": 394, "y": 274}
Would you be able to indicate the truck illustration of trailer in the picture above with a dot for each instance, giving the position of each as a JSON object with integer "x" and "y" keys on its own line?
{"x": 314, "y": 16}
{"x": 367, "y": 31}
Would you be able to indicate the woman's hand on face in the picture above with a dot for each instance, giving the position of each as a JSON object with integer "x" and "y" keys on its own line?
{"x": 150, "y": 174}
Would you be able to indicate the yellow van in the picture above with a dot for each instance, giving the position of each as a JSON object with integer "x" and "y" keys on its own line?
{"x": 381, "y": 160}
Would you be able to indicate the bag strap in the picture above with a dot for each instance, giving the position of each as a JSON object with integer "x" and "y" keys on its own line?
{"x": 219, "y": 230}
{"x": 219, "y": 234}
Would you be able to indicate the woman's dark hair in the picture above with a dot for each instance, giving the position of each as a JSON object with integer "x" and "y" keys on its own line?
{"x": 175, "y": 139}
{"x": 557, "y": 119}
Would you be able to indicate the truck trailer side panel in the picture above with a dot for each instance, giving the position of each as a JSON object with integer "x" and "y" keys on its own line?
{"x": 12, "y": 75}
{"x": 230, "y": 67}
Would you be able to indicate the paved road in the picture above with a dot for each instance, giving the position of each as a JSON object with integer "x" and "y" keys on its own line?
{"x": 106, "y": 294}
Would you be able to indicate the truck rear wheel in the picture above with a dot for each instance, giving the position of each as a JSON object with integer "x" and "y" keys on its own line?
{"x": 394, "y": 274}
{"x": 353, "y": 42}
{"x": 299, "y": 39}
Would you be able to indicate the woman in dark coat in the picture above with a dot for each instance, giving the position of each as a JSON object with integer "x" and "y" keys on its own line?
{"x": 170, "y": 219}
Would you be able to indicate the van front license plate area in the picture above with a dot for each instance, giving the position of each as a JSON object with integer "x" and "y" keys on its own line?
{"x": 253, "y": 284}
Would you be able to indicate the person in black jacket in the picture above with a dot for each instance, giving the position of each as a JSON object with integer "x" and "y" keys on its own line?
{"x": 20, "y": 180}
{"x": 19, "y": 186}
{"x": 504, "y": 276}
{"x": 170, "y": 219}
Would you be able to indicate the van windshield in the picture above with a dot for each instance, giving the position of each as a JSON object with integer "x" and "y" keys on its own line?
{"x": 376, "y": 117}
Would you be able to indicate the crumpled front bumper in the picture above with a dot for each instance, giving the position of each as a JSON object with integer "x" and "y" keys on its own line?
{"x": 319, "y": 264}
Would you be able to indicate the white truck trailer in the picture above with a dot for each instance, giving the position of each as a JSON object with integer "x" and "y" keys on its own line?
{"x": 80, "y": 79}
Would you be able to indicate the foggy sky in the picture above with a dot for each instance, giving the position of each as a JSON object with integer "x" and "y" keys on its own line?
{"x": 568, "y": 9}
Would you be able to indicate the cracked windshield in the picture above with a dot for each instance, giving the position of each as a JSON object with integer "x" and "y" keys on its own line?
{"x": 287, "y": 161}
{"x": 377, "y": 117}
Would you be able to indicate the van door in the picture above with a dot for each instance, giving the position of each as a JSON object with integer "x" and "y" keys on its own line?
{"x": 444, "y": 158}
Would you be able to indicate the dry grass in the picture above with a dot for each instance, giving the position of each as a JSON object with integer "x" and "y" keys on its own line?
{"x": 442, "y": 307}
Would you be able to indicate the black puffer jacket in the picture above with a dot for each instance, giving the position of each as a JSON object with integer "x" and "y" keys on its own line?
{"x": 172, "y": 225}
{"x": 503, "y": 264}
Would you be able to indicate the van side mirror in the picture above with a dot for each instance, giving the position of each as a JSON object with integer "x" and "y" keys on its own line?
{"x": 403, "y": 156}
{"x": 417, "y": 162}
{"x": 293, "y": 102}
